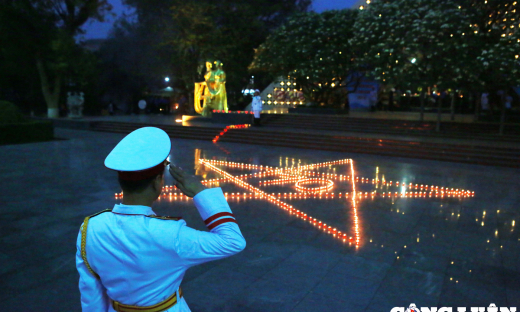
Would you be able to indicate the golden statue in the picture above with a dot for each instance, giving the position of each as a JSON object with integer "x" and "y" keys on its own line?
{"x": 220, "y": 101}
{"x": 211, "y": 92}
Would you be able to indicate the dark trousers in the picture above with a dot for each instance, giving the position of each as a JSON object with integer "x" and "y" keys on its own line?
{"x": 256, "y": 122}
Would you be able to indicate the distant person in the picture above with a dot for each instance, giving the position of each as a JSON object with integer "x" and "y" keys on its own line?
{"x": 111, "y": 109}
{"x": 256, "y": 107}
{"x": 130, "y": 259}
{"x": 484, "y": 103}
{"x": 508, "y": 102}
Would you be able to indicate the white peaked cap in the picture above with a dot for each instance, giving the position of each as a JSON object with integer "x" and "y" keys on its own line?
{"x": 257, "y": 90}
{"x": 142, "y": 149}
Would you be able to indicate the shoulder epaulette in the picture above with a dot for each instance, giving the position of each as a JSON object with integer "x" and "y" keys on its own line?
{"x": 98, "y": 213}
{"x": 84, "y": 241}
{"x": 165, "y": 218}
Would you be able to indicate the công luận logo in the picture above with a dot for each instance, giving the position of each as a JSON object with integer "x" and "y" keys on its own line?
{"x": 492, "y": 308}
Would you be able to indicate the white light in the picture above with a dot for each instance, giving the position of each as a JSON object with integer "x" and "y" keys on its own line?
{"x": 414, "y": 60}
{"x": 167, "y": 79}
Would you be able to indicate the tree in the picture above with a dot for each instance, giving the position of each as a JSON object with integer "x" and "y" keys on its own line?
{"x": 496, "y": 41}
{"x": 132, "y": 64}
{"x": 416, "y": 44}
{"x": 46, "y": 29}
{"x": 193, "y": 31}
{"x": 450, "y": 44}
{"x": 314, "y": 49}
{"x": 495, "y": 24}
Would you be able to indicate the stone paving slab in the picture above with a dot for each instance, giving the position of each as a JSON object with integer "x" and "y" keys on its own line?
{"x": 431, "y": 252}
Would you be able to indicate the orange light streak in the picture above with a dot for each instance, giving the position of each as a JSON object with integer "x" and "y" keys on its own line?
{"x": 354, "y": 207}
{"x": 216, "y": 138}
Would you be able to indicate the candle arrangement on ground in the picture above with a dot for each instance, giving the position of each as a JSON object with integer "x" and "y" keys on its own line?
{"x": 307, "y": 182}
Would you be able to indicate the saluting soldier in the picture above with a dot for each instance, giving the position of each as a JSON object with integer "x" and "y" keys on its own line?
{"x": 130, "y": 259}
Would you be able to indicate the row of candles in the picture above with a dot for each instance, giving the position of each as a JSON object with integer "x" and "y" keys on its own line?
{"x": 231, "y": 112}
{"x": 281, "y": 181}
{"x": 427, "y": 194}
{"x": 250, "y": 166}
{"x": 244, "y": 126}
{"x": 278, "y": 195}
{"x": 301, "y": 171}
{"x": 434, "y": 192}
{"x": 218, "y": 180}
{"x": 284, "y": 178}
{"x": 269, "y": 111}
{"x": 321, "y": 195}
{"x": 282, "y": 205}
{"x": 324, "y": 164}
{"x": 231, "y": 164}
{"x": 354, "y": 204}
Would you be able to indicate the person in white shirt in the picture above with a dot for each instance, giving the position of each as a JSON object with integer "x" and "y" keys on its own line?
{"x": 256, "y": 107}
{"x": 130, "y": 259}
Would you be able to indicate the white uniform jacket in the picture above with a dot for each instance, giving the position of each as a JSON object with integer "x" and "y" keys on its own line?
{"x": 141, "y": 260}
{"x": 256, "y": 106}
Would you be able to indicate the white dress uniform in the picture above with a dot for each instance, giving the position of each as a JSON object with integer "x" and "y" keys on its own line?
{"x": 129, "y": 259}
{"x": 256, "y": 106}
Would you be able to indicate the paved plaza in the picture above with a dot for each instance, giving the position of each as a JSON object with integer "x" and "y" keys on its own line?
{"x": 431, "y": 251}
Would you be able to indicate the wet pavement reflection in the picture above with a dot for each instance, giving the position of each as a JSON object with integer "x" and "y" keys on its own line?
{"x": 325, "y": 231}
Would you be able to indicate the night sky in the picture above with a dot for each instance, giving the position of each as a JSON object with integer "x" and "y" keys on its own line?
{"x": 96, "y": 30}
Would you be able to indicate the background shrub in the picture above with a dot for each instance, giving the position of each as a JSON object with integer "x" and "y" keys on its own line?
{"x": 10, "y": 113}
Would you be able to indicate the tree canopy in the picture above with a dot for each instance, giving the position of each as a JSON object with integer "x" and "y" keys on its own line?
{"x": 314, "y": 49}
{"x": 416, "y": 44}
{"x": 448, "y": 43}
{"x": 40, "y": 36}
{"x": 496, "y": 25}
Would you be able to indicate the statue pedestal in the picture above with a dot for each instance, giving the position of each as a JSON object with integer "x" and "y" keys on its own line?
{"x": 53, "y": 113}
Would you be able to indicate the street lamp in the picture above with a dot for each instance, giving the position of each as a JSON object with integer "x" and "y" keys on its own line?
{"x": 167, "y": 79}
